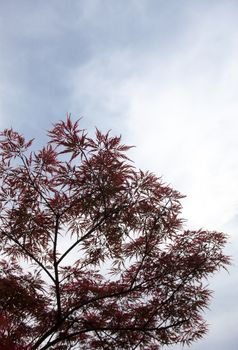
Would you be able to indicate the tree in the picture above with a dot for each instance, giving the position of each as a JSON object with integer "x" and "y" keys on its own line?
{"x": 94, "y": 254}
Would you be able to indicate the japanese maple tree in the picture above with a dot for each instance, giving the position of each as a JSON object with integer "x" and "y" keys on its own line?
{"x": 93, "y": 251}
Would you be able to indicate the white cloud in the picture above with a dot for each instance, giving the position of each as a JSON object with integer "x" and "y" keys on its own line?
{"x": 180, "y": 111}
{"x": 188, "y": 132}
{"x": 99, "y": 89}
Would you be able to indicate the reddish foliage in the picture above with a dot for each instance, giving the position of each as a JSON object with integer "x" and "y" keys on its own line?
{"x": 85, "y": 193}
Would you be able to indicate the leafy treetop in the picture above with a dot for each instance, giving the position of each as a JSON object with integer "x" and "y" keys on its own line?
{"x": 94, "y": 254}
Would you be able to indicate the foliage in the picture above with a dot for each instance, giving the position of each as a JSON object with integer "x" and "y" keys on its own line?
{"x": 94, "y": 255}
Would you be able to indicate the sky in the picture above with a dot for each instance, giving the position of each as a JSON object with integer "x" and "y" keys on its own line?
{"x": 164, "y": 74}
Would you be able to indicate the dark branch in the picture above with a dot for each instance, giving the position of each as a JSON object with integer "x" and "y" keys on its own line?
{"x": 32, "y": 256}
{"x": 57, "y": 283}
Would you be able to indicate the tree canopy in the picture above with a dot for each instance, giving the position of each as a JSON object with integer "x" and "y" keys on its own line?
{"x": 93, "y": 251}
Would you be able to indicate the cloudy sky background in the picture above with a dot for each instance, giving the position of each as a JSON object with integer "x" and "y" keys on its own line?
{"x": 164, "y": 74}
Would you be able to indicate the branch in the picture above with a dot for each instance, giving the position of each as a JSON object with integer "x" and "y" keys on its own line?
{"x": 145, "y": 255}
{"x": 23, "y": 158}
{"x": 187, "y": 277}
{"x": 114, "y": 295}
{"x": 111, "y": 329}
{"x": 132, "y": 289}
{"x": 57, "y": 283}
{"x": 62, "y": 320}
{"x": 100, "y": 338}
{"x": 44, "y": 337}
{"x": 30, "y": 255}
{"x": 106, "y": 216}
{"x": 111, "y": 295}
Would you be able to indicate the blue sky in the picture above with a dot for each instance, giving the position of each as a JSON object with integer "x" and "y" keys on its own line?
{"x": 164, "y": 74}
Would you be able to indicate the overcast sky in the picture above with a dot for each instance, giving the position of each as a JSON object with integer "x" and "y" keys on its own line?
{"x": 164, "y": 74}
